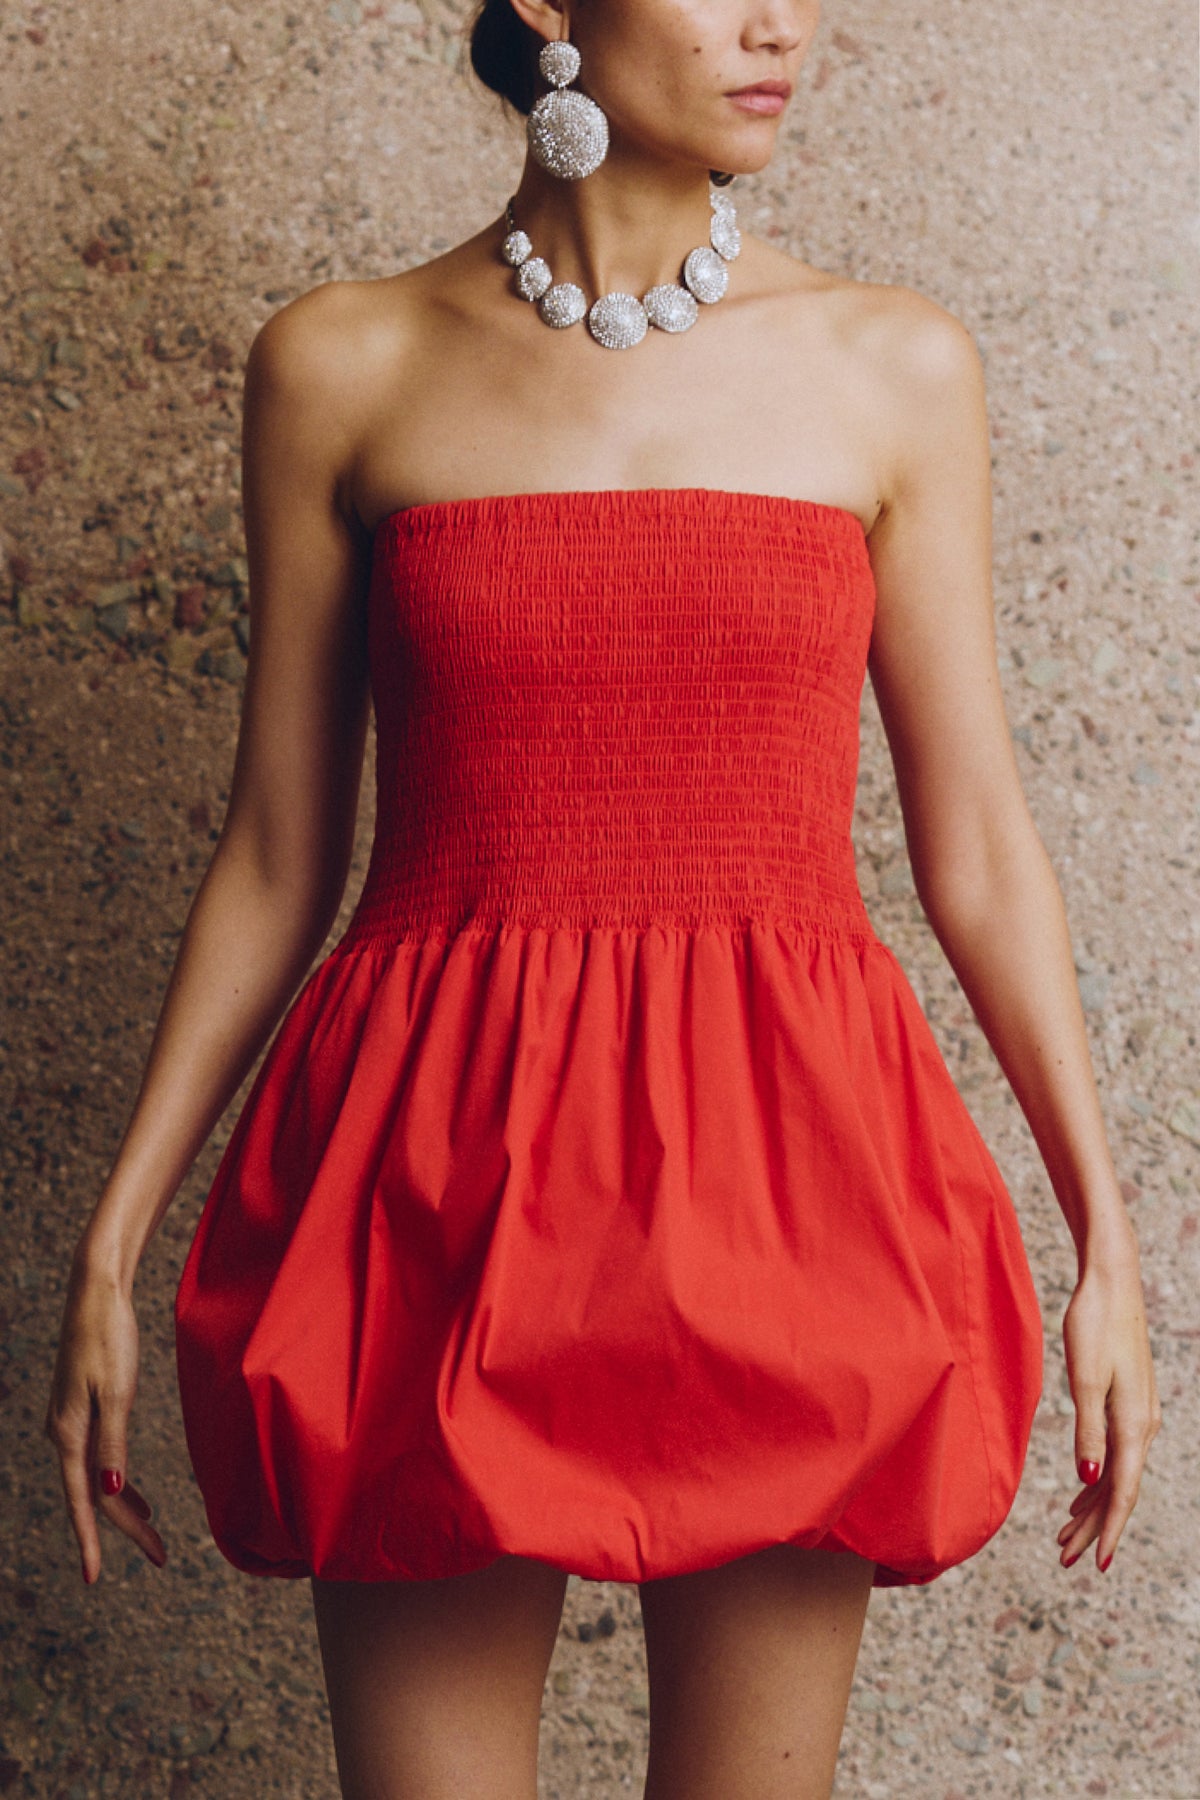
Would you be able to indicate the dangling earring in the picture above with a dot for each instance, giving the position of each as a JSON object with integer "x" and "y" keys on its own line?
{"x": 719, "y": 178}
{"x": 567, "y": 133}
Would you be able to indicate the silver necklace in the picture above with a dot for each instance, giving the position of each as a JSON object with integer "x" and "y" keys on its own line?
{"x": 617, "y": 320}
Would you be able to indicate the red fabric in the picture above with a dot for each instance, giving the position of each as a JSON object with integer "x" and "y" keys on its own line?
{"x": 603, "y": 1196}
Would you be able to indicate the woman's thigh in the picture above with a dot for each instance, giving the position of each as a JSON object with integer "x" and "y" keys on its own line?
{"x": 750, "y": 1668}
{"x": 435, "y": 1687}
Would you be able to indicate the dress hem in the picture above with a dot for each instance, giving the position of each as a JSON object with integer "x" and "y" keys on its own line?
{"x": 606, "y": 1569}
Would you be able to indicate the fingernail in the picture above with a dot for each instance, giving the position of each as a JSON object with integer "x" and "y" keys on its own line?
{"x": 110, "y": 1480}
{"x": 1107, "y": 1560}
{"x": 1089, "y": 1472}
{"x": 83, "y": 1567}
{"x": 1067, "y": 1561}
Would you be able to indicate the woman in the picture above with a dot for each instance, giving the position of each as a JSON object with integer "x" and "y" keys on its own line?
{"x": 603, "y": 1202}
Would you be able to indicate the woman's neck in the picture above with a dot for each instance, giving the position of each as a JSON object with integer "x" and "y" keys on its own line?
{"x": 617, "y": 230}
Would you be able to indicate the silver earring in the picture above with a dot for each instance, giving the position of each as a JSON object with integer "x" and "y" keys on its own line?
{"x": 567, "y": 133}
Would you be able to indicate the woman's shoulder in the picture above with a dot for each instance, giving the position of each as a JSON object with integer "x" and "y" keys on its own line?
{"x": 318, "y": 366}
{"x": 898, "y": 329}
{"x": 907, "y": 332}
{"x": 334, "y": 335}
{"x": 898, "y": 358}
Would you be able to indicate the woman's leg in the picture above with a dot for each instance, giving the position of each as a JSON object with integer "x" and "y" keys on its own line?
{"x": 435, "y": 1687}
{"x": 750, "y": 1668}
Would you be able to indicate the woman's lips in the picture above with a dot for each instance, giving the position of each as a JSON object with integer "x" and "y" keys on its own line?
{"x": 756, "y": 101}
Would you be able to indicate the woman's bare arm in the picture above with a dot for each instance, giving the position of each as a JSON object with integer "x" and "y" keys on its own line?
{"x": 982, "y": 873}
{"x": 278, "y": 871}
{"x": 275, "y": 880}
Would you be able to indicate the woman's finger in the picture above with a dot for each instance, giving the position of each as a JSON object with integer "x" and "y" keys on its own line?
{"x": 69, "y": 1429}
{"x": 118, "y": 1510}
{"x": 1081, "y": 1533}
{"x": 108, "y": 1475}
{"x": 1090, "y": 1496}
{"x": 137, "y": 1500}
{"x": 1080, "y": 1513}
{"x": 1128, "y": 1460}
{"x": 113, "y": 1409}
{"x": 1091, "y": 1426}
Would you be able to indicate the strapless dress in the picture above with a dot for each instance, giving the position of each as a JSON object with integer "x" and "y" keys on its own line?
{"x": 603, "y": 1196}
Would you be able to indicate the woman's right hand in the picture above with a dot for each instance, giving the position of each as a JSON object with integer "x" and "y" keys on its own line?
{"x": 95, "y": 1379}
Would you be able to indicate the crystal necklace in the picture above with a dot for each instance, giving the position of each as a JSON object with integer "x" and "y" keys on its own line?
{"x": 617, "y": 320}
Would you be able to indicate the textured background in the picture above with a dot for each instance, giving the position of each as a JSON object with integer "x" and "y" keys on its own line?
{"x": 173, "y": 174}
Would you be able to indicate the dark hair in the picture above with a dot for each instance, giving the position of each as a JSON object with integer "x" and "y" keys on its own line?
{"x": 504, "y": 52}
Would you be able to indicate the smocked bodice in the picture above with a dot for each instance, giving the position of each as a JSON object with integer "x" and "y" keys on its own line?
{"x": 618, "y": 707}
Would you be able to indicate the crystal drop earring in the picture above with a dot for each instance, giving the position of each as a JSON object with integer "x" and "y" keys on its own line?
{"x": 567, "y": 133}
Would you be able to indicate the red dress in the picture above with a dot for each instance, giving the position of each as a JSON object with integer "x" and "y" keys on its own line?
{"x": 603, "y": 1196}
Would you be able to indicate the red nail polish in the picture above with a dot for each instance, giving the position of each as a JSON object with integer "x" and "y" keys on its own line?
{"x": 1072, "y": 1559}
{"x": 1107, "y": 1560}
{"x": 1089, "y": 1472}
{"x": 83, "y": 1568}
{"x": 110, "y": 1480}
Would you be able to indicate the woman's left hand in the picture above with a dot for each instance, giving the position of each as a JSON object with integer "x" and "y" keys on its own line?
{"x": 1117, "y": 1411}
